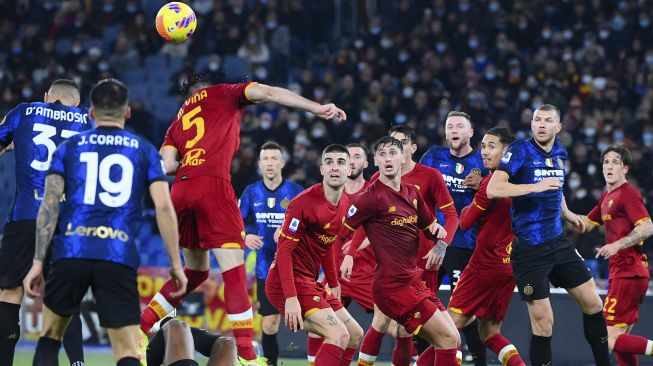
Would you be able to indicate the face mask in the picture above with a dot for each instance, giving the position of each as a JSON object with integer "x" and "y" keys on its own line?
{"x": 463, "y": 7}
{"x": 515, "y": 73}
{"x": 546, "y": 34}
{"x": 293, "y": 124}
{"x": 591, "y": 169}
{"x": 400, "y": 118}
{"x": 403, "y": 57}
{"x": 441, "y": 47}
{"x": 386, "y": 43}
{"x": 318, "y": 93}
{"x": 84, "y": 68}
{"x": 261, "y": 73}
{"x": 251, "y": 41}
{"x": 590, "y": 132}
{"x": 48, "y": 6}
{"x": 473, "y": 43}
{"x": 522, "y": 25}
{"x": 581, "y": 193}
{"x": 524, "y": 95}
{"x": 481, "y": 58}
{"x": 618, "y": 135}
{"x": 644, "y": 23}
{"x": 266, "y": 124}
{"x": 601, "y": 146}
{"x": 442, "y": 112}
{"x": 567, "y": 34}
{"x": 27, "y": 93}
{"x": 490, "y": 75}
{"x": 358, "y": 44}
{"x": 17, "y": 50}
{"x": 131, "y": 9}
{"x": 407, "y": 92}
{"x": 76, "y": 50}
{"x": 618, "y": 22}
{"x": 649, "y": 59}
{"x": 586, "y": 79}
{"x": 103, "y": 66}
{"x": 214, "y": 66}
{"x": 271, "y": 25}
{"x": 77, "y": 80}
{"x": 494, "y": 7}
{"x": 318, "y": 133}
{"x": 107, "y": 8}
{"x": 648, "y": 139}
{"x": 375, "y": 31}
{"x": 604, "y": 34}
{"x": 567, "y": 56}
{"x": 574, "y": 183}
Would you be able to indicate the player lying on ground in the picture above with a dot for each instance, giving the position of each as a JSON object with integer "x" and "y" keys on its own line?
{"x": 627, "y": 224}
{"x": 393, "y": 214}
{"x": 486, "y": 286}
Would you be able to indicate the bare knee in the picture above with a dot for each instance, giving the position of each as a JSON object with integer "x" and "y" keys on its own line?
{"x": 593, "y": 305}
{"x": 613, "y": 334}
{"x": 381, "y": 323}
{"x": 175, "y": 327}
{"x": 355, "y": 334}
{"x": 488, "y": 329}
{"x": 338, "y": 336}
{"x": 542, "y": 323}
{"x": 271, "y": 324}
{"x": 224, "y": 344}
{"x": 448, "y": 339}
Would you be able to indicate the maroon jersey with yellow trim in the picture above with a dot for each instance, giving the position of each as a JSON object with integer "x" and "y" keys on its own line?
{"x": 206, "y": 131}
{"x": 620, "y": 211}
{"x": 494, "y": 236}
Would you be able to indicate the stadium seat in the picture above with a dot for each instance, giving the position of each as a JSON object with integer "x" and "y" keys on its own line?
{"x": 236, "y": 69}
{"x": 156, "y": 60}
{"x": 63, "y": 45}
{"x": 133, "y": 76}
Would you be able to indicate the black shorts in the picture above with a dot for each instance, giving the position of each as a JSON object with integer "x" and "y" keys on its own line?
{"x": 265, "y": 308}
{"x": 455, "y": 261}
{"x": 555, "y": 261}
{"x": 114, "y": 287}
{"x": 16, "y": 252}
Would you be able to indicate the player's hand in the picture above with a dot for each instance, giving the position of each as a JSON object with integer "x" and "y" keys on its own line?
{"x": 547, "y": 184}
{"x": 336, "y": 291}
{"x": 345, "y": 246}
{"x": 364, "y": 244}
{"x": 33, "y": 282}
{"x": 179, "y": 276}
{"x": 577, "y": 221}
{"x": 329, "y": 111}
{"x": 294, "y": 320}
{"x": 473, "y": 180}
{"x": 346, "y": 267}
{"x": 607, "y": 251}
{"x": 253, "y": 241}
{"x": 437, "y": 230}
{"x": 435, "y": 256}
{"x": 277, "y": 234}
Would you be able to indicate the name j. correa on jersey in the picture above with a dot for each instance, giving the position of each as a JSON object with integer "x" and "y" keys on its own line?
{"x": 114, "y": 140}
{"x": 60, "y": 115}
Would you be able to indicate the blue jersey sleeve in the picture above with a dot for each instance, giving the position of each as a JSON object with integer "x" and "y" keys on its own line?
{"x": 244, "y": 203}
{"x": 9, "y": 125}
{"x": 155, "y": 166}
{"x": 57, "y": 165}
{"x": 429, "y": 157}
{"x": 513, "y": 160}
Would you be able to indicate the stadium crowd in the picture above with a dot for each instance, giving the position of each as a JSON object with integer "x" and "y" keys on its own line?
{"x": 384, "y": 62}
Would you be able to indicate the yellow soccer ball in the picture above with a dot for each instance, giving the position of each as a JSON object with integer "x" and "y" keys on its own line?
{"x": 176, "y": 22}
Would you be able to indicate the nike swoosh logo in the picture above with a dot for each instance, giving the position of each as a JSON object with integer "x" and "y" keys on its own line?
{"x": 537, "y": 162}
{"x": 258, "y": 204}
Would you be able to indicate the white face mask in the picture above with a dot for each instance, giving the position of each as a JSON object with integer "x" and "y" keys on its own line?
{"x": 293, "y": 124}
{"x": 574, "y": 183}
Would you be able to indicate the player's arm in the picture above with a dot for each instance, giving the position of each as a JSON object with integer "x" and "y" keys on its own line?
{"x": 499, "y": 187}
{"x": 252, "y": 241}
{"x": 46, "y": 223}
{"x": 359, "y": 212}
{"x": 572, "y": 218}
{"x": 166, "y": 220}
{"x": 472, "y": 213}
{"x": 642, "y": 230}
{"x": 330, "y": 271}
{"x": 445, "y": 204}
{"x": 427, "y": 222}
{"x": 4, "y": 149}
{"x": 170, "y": 156}
{"x": 261, "y": 93}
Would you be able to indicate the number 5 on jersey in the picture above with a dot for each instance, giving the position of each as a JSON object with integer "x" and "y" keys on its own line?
{"x": 116, "y": 193}
{"x": 189, "y": 120}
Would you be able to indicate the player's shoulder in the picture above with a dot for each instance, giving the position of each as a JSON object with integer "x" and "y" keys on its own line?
{"x": 308, "y": 195}
{"x": 435, "y": 153}
{"x": 292, "y": 185}
{"x": 630, "y": 190}
{"x": 253, "y": 187}
{"x": 520, "y": 144}
{"x": 421, "y": 168}
{"x": 559, "y": 149}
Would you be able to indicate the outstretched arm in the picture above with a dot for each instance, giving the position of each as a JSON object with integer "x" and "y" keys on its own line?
{"x": 261, "y": 93}
{"x": 499, "y": 187}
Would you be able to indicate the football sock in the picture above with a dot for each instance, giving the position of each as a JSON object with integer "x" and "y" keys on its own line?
{"x": 401, "y": 353}
{"x": 9, "y": 331}
{"x": 314, "y": 345}
{"x": 421, "y": 344}
{"x": 413, "y": 351}
{"x": 239, "y": 310}
{"x": 162, "y": 304}
{"x": 596, "y": 334}
{"x": 370, "y": 347}
{"x": 128, "y": 361}
{"x": 270, "y": 348}
{"x": 328, "y": 355}
{"x": 446, "y": 357}
{"x": 540, "y": 351}
{"x": 427, "y": 358}
{"x": 474, "y": 343}
{"x": 628, "y": 343}
{"x": 347, "y": 356}
{"x": 505, "y": 351}
{"x": 47, "y": 352}
{"x": 72, "y": 341}
{"x": 626, "y": 359}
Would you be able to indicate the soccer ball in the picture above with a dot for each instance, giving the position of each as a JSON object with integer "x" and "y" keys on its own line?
{"x": 176, "y": 22}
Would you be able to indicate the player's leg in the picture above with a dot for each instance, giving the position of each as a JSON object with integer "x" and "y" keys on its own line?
{"x": 223, "y": 352}
{"x": 271, "y": 321}
{"x": 373, "y": 338}
{"x": 355, "y": 335}
{"x": 325, "y": 323}
{"x": 541, "y": 318}
{"x": 440, "y": 331}
{"x": 73, "y": 341}
{"x": 401, "y": 354}
{"x": 313, "y": 344}
{"x": 489, "y": 330}
{"x": 179, "y": 347}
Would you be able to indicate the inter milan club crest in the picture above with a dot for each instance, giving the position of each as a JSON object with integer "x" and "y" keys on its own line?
{"x": 285, "y": 202}
{"x": 271, "y": 202}
{"x": 476, "y": 171}
{"x": 548, "y": 162}
{"x": 460, "y": 168}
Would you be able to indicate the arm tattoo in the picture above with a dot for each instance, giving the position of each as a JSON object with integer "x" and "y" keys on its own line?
{"x": 346, "y": 321}
{"x": 630, "y": 240}
{"x": 46, "y": 221}
{"x": 332, "y": 320}
{"x": 440, "y": 248}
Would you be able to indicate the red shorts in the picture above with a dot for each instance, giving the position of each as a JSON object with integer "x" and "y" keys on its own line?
{"x": 485, "y": 294}
{"x": 359, "y": 290}
{"x": 208, "y": 214}
{"x": 430, "y": 280}
{"x": 621, "y": 307}
{"x": 411, "y": 306}
{"x": 311, "y": 298}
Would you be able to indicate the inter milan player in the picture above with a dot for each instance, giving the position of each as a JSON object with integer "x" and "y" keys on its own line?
{"x": 359, "y": 287}
{"x": 627, "y": 224}
{"x": 313, "y": 220}
{"x": 462, "y": 169}
{"x": 532, "y": 173}
{"x": 104, "y": 173}
{"x": 485, "y": 287}
{"x": 393, "y": 214}
{"x": 264, "y": 203}
{"x": 34, "y": 130}
{"x": 198, "y": 148}
{"x": 433, "y": 189}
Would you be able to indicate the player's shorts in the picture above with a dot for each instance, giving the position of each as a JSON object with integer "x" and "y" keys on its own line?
{"x": 208, "y": 214}
{"x": 455, "y": 261}
{"x": 411, "y": 306}
{"x": 114, "y": 287}
{"x": 17, "y": 252}
{"x": 311, "y": 298}
{"x": 430, "y": 280}
{"x": 483, "y": 293}
{"x": 555, "y": 261}
{"x": 265, "y": 307}
{"x": 359, "y": 291}
{"x": 625, "y": 295}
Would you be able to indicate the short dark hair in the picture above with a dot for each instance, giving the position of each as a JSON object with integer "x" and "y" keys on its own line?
{"x": 109, "y": 97}
{"x": 549, "y": 108}
{"x": 358, "y": 145}
{"x": 622, "y": 151}
{"x": 504, "y": 134}
{"x": 335, "y": 148}
{"x": 459, "y": 114}
{"x": 385, "y": 141}
{"x": 196, "y": 81}
{"x": 271, "y": 145}
{"x": 404, "y": 130}
{"x": 66, "y": 87}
